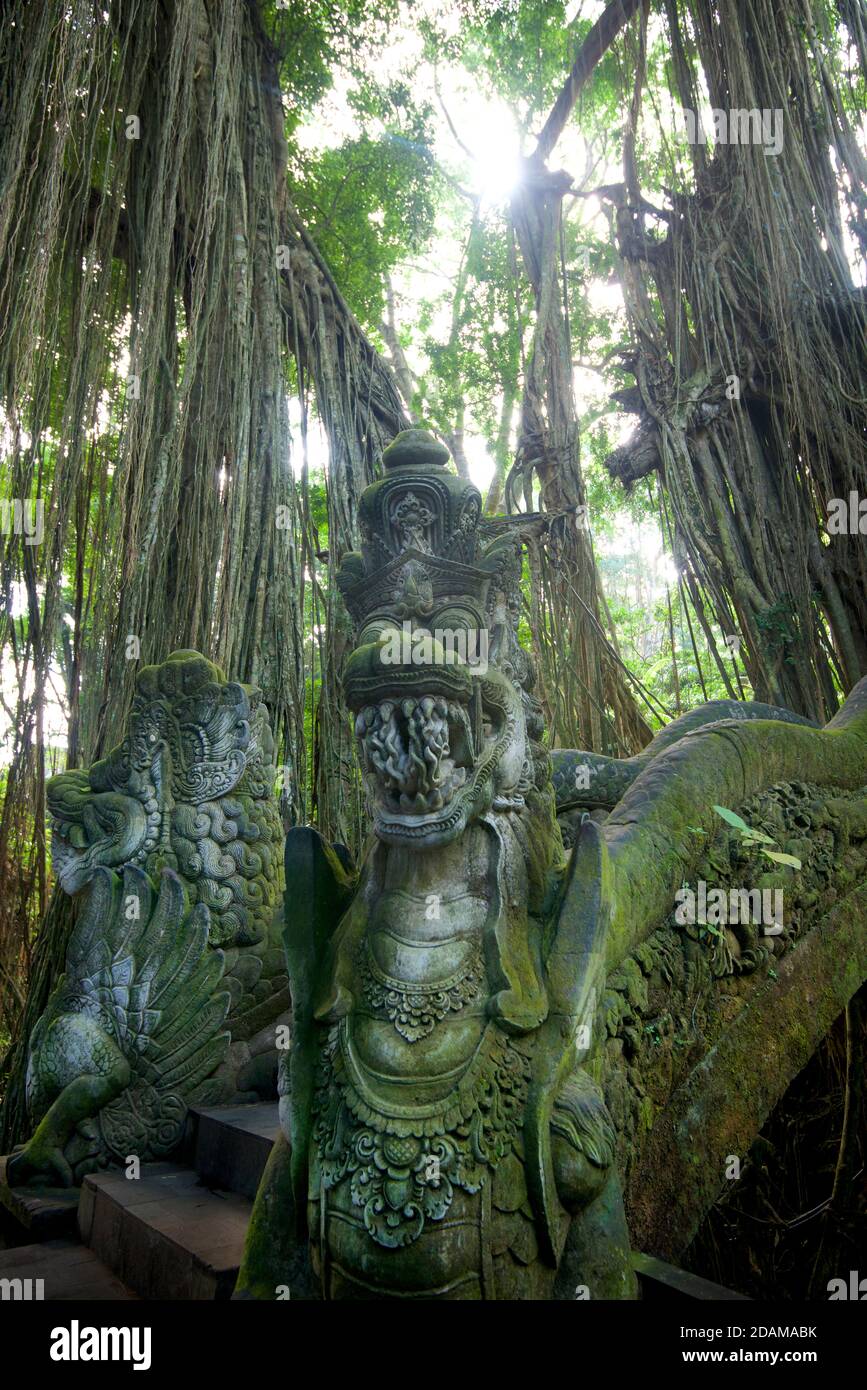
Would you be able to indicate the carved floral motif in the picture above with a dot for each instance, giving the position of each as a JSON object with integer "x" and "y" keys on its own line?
{"x": 403, "y": 1169}
{"x": 416, "y": 1008}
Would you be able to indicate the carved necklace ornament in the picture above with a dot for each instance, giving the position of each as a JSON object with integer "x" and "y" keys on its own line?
{"x": 404, "y": 1162}
{"x": 416, "y": 1008}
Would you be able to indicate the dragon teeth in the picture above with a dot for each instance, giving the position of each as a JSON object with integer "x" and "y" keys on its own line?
{"x": 406, "y": 746}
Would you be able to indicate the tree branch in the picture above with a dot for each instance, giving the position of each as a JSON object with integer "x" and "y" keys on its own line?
{"x": 593, "y": 49}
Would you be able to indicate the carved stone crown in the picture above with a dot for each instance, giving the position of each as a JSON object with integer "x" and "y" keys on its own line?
{"x": 421, "y": 546}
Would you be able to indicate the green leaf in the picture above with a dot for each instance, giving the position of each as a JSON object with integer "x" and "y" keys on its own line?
{"x": 778, "y": 858}
{"x": 759, "y": 837}
{"x": 731, "y": 818}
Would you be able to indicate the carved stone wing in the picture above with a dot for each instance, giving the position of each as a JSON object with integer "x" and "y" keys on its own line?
{"x": 318, "y": 891}
{"x": 139, "y": 963}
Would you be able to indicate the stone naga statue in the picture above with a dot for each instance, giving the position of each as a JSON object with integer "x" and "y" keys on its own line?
{"x": 584, "y": 780}
{"x": 175, "y": 976}
{"x": 442, "y": 1139}
{"x": 443, "y": 1135}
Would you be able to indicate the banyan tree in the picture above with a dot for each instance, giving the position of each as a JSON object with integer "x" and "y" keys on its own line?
{"x": 370, "y": 851}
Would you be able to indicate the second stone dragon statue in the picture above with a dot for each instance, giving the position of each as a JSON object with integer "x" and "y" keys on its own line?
{"x": 175, "y": 976}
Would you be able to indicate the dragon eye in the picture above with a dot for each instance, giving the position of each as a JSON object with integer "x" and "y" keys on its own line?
{"x": 455, "y": 619}
{"x": 376, "y": 629}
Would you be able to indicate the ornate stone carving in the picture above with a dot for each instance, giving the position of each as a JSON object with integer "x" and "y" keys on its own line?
{"x": 416, "y": 1008}
{"x": 590, "y": 781}
{"x": 190, "y": 787}
{"x": 131, "y": 1034}
{"x": 445, "y": 1141}
{"x": 403, "y": 1173}
{"x": 150, "y": 1016}
{"x": 464, "y": 1151}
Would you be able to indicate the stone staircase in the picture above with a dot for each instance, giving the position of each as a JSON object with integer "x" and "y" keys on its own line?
{"x": 176, "y": 1232}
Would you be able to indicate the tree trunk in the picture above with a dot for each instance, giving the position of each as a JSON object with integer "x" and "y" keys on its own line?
{"x": 593, "y": 707}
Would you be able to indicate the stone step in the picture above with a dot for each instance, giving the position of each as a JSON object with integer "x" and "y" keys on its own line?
{"x": 46, "y": 1212}
{"x": 165, "y": 1234}
{"x": 231, "y": 1143}
{"x": 58, "y": 1271}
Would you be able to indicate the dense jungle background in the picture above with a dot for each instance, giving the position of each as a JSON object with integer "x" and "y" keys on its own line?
{"x": 243, "y": 244}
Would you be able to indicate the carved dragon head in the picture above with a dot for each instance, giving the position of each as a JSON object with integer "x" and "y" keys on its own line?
{"x": 437, "y": 681}
{"x": 190, "y": 788}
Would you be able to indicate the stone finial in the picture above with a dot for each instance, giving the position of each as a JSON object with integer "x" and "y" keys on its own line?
{"x": 415, "y": 449}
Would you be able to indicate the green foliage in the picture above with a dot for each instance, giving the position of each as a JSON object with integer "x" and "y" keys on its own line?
{"x": 778, "y": 625}
{"x": 370, "y": 203}
{"x": 524, "y": 51}
{"x": 752, "y": 839}
{"x": 381, "y": 180}
{"x": 479, "y": 359}
{"x": 317, "y": 39}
